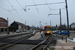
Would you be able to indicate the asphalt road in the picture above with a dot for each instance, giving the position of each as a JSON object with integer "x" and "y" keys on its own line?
{"x": 72, "y": 35}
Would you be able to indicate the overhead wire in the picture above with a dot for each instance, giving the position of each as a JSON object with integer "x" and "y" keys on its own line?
{"x": 8, "y": 11}
{"x": 49, "y": 9}
{"x": 35, "y": 6}
{"x": 20, "y": 5}
{"x": 48, "y": 6}
{"x": 15, "y": 10}
{"x": 26, "y": 12}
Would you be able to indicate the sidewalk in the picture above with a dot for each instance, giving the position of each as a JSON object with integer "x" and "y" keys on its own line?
{"x": 62, "y": 45}
{"x": 36, "y": 36}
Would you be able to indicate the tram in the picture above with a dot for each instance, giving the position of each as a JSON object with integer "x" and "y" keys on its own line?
{"x": 47, "y": 30}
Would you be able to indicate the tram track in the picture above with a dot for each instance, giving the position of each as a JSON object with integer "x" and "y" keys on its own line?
{"x": 39, "y": 45}
{"x": 11, "y": 43}
{"x": 5, "y": 37}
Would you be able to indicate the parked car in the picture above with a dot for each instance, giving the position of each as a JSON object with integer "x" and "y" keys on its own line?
{"x": 56, "y": 31}
{"x": 17, "y": 31}
{"x": 64, "y": 32}
{"x": 24, "y": 30}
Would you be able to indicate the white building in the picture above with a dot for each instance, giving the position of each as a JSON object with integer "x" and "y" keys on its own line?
{"x": 73, "y": 25}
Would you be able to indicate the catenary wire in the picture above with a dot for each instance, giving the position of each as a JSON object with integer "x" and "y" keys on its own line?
{"x": 26, "y": 12}
{"x": 35, "y": 6}
{"x": 8, "y": 11}
{"x": 48, "y": 6}
{"x": 15, "y": 10}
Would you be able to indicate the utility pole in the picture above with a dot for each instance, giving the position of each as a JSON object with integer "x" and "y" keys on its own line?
{"x": 60, "y": 18}
{"x": 25, "y": 26}
{"x": 50, "y": 23}
{"x": 40, "y": 26}
{"x": 67, "y": 17}
{"x": 7, "y": 26}
{"x": 60, "y": 22}
{"x": 25, "y": 22}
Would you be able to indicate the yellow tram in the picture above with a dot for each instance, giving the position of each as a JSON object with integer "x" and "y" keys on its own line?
{"x": 47, "y": 30}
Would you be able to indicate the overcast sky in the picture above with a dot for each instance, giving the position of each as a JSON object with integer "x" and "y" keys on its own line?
{"x": 13, "y": 9}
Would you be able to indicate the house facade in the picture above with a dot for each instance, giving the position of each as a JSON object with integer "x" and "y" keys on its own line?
{"x": 72, "y": 25}
{"x": 20, "y": 26}
{"x": 3, "y": 25}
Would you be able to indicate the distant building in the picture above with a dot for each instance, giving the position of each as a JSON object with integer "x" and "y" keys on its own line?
{"x": 72, "y": 25}
{"x": 3, "y": 25}
{"x": 63, "y": 27}
{"x": 54, "y": 27}
{"x": 20, "y": 25}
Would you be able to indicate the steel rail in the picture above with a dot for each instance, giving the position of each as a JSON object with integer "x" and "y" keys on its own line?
{"x": 47, "y": 44}
{"x": 13, "y": 36}
{"x": 39, "y": 44}
{"x": 15, "y": 41}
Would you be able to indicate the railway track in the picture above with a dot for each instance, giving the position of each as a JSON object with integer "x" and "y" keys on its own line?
{"x": 5, "y": 37}
{"x": 44, "y": 47}
{"x": 11, "y": 43}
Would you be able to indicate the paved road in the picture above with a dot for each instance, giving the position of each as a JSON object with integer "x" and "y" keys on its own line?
{"x": 72, "y": 35}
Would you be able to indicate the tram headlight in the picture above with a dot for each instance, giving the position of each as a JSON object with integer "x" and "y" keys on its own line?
{"x": 48, "y": 32}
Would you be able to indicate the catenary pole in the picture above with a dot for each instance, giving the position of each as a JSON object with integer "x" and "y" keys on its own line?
{"x": 7, "y": 26}
{"x": 67, "y": 17}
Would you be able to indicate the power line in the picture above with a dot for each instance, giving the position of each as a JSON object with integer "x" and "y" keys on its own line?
{"x": 35, "y": 6}
{"x": 49, "y": 9}
{"x": 48, "y": 6}
{"x": 8, "y": 11}
{"x": 31, "y": 18}
{"x": 19, "y": 4}
{"x": 45, "y": 4}
{"x": 15, "y": 10}
{"x": 26, "y": 12}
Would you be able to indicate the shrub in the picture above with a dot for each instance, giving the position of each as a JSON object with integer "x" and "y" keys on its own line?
{"x": 12, "y": 28}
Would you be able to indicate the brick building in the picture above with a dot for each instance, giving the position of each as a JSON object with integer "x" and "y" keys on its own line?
{"x": 3, "y": 24}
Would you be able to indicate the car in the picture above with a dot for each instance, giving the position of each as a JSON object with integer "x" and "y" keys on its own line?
{"x": 64, "y": 32}
{"x": 56, "y": 31}
{"x": 17, "y": 31}
{"x": 24, "y": 30}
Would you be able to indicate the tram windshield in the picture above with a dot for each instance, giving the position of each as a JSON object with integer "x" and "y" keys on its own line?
{"x": 48, "y": 28}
